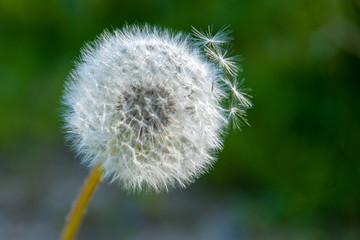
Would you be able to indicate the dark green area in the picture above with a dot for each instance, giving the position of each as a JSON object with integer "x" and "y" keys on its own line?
{"x": 300, "y": 160}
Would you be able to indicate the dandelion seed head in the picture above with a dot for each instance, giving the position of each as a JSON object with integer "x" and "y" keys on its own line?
{"x": 147, "y": 104}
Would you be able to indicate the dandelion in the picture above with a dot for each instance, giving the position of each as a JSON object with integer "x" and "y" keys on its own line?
{"x": 239, "y": 93}
{"x": 229, "y": 63}
{"x": 237, "y": 115}
{"x": 204, "y": 38}
{"x": 147, "y": 107}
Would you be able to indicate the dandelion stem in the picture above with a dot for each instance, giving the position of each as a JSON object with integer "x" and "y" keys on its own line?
{"x": 77, "y": 212}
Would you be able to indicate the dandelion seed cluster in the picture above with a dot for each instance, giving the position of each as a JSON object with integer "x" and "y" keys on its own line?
{"x": 151, "y": 105}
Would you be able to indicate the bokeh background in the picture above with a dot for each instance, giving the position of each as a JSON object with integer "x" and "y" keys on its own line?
{"x": 294, "y": 174}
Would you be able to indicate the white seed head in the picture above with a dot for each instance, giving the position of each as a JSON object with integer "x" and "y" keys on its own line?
{"x": 151, "y": 106}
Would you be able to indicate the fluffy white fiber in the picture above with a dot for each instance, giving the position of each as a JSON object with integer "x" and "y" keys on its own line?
{"x": 151, "y": 105}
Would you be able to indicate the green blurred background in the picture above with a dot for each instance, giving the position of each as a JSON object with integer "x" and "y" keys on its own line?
{"x": 294, "y": 174}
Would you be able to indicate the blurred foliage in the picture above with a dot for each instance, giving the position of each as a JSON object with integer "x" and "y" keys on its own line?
{"x": 300, "y": 160}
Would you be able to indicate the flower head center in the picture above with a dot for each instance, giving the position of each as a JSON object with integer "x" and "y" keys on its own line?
{"x": 146, "y": 109}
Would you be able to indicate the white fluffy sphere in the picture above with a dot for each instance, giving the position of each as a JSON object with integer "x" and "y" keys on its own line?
{"x": 147, "y": 104}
